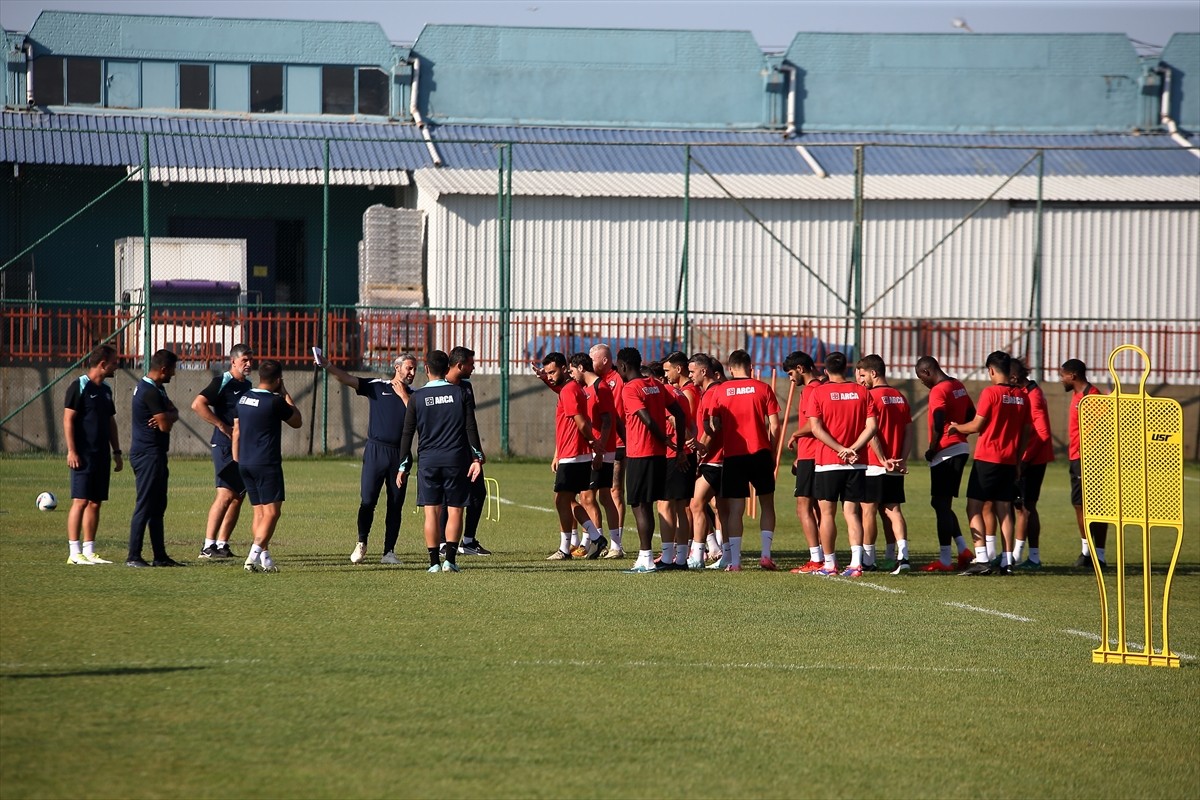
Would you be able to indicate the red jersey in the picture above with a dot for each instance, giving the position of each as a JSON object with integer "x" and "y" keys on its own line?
{"x": 743, "y": 405}
{"x": 1073, "y": 421}
{"x": 569, "y": 444}
{"x": 648, "y": 394}
{"x": 1006, "y": 409}
{"x": 894, "y": 417}
{"x": 951, "y": 398}
{"x": 807, "y": 445}
{"x": 693, "y": 402}
{"x": 612, "y": 379}
{"x": 843, "y": 409}
{"x": 681, "y": 398}
{"x": 707, "y": 410}
{"x": 599, "y": 403}
{"x": 1041, "y": 446}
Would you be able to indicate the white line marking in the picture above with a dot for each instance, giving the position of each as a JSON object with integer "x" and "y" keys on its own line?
{"x": 1095, "y": 637}
{"x": 990, "y": 611}
{"x": 1190, "y": 478}
{"x": 760, "y": 665}
{"x": 874, "y": 586}
{"x": 508, "y": 502}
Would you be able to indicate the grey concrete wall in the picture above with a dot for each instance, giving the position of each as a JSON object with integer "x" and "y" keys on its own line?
{"x": 531, "y": 406}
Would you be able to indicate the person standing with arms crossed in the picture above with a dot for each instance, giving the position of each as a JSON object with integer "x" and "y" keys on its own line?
{"x": 90, "y": 430}
{"x": 803, "y": 373}
{"x": 381, "y": 454}
{"x": 216, "y": 405}
{"x": 153, "y": 417}
{"x": 257, "y": 449}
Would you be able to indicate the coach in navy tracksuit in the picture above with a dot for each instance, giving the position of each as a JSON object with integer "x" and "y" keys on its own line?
{"x": 381, "y": 455}
{"x": 153, "y": 416}
{"x": 442, "y": 416}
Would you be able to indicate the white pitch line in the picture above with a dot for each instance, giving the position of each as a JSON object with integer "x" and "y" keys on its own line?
{"x": 1095, "y": 637}
{"x": 1190, "y": 478}
{"x": 760, "y": 665}
{"x": 508, "y": 502}
{"x": 867, "y": 585}
{"x": 993, "y": 612}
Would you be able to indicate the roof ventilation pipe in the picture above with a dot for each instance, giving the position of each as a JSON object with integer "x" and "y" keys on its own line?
{"x": 416, "y": 113}
{"x": 790, "y": 131}
{"x": 29, "y": 76}
{"x": 1164, "y": 114}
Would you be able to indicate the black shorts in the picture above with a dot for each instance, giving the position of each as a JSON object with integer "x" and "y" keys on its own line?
{"x": 443, "y": 486}
{"x": 620, "y": 453}
{"x": 847, "y": 485}
{"x": 946, "y": 477}
{"x": 601, "y": 478}
{"x": 1075, "y": 469}
{"x": 884, "y": 490}
{"x": 573, "y": 477}
{"x": 711, "y": 474}
{"x": 645, "y": 479}
{"x": 990, "y": 481}
{"x": 742, "y": 472}
{"x": 680, "y": 483}
{"x": 91, "y": 480}
{"x": 1029, "y": 487}
{"x": 806, "y": 471}
{"x": 264, "y": 484}
{"x": 228, "y": 476}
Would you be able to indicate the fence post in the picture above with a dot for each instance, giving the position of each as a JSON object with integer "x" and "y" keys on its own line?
{"x": 1038, "y": 368}
{"x": 856, "y": 250}
{"x": 147, "y": 333}
{"x": 504, "y": 258}
{"x": 681, "y": 292}
{"x": 325, "y": 303}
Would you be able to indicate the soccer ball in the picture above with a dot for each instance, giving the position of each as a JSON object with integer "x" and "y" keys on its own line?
{"x": 46, "y": 501}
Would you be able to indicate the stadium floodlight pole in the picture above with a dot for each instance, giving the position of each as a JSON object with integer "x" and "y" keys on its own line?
{"x": 325, "y": 303}
{"x": 147, "y": 333}
{"x": 856, "y": 249}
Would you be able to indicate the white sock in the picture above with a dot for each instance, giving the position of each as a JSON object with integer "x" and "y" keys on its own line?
{"x": 735, "y": 551}
{"x": 831, "y": 561}
{"x": 767, "y": 538}
{"x": 466, "y": 540}
{"x": 264, "y": 558}
{"x": 902, "y": 548}
{"x": 574, "y": 538}
{"x": 76, "y": 547}
{"x": 891, "y": 551}
{"x": 564, "y": 541}
{"x": 645, "y": 558}
{"x": 961, "y": 542}
{"x": 1083, "y": 547}
{"x": 614, "y": 536}
{"x": 89, "y": 548}
{"x": 711, "y": 542}
{"x": 1100, "y": 553}
{"x": 681, "y": 555}
{"x": 1035, "y": 555}
{"x": 720, "y": 536}
{"x": 815, "y": 554}
{"x": 696, "y": 551}
{"x": 209, "y": 543}
{"x": 1018, "y": 551}
{"x": 868, "y": 556}
{"x": 593, "y": 533}
{"x": 668, "y": 553}
{"x": 945, "y": 554}
{"x": 726, "y": 554}
{"x": 981, "y": 555}
{"x": 255, "y": 551}
{"x": 1006, "y": 559}
{"x": 990, "y": 543}
{"x": 856, "y": 555}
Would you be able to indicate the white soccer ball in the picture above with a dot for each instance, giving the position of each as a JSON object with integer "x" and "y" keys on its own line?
{"x": 46, "y": 501}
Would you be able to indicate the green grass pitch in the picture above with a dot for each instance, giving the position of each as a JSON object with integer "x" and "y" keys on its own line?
{"x": 523, "y": 678}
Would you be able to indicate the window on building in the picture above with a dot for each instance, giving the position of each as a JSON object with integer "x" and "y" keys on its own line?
{"x": 48, "y": 81}
{"x": 337, "y": 90}
{"x": 372, "y": 91}
{"x": 195, "y": 86}
{"x": 83, "y": 81}
{"x": 266, "y": 88}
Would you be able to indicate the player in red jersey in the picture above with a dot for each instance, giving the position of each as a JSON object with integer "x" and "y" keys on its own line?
{"x": 602, "y": 412}
{"x": 680, "y": 485}
{"x": 1002, "y": 421}
{"x": 887, "y": 463}
{"x": 603, "y": 365}
{"x": 1038, "y": 454}
{"x": 707, "y": 445}
{"x": 646, "y": 404}
{"x": 947, "y": 457}
{"x": 747, "y": 415}
{"x": 803, "y": 373}
{"x": 576, "y": 451}
{"x": 1073, "y": 375}
{"x": 841, "y": 411}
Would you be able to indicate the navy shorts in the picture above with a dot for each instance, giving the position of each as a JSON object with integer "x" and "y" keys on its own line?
{"x": 946, "y": 478}
{"x": 995, "y": 482}
{"x": 847, "y": 485}
{"x": 680, "y": 483}
{"x": 264, "y": 484}
{"x": 228, "y": 476}
{"x": 573, "y": 477}
{"x": 742, "y": 472}
{"x": 645, "y": 479}
{"x": 91, "y": 480}
{"x": 806, "y": 471}
{"x": 601, "y": 478}
{"x": 443, "y": 486}
{"x": 884, "y": 490}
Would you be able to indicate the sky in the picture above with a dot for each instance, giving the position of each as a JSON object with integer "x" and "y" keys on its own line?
{"x": 772, "y": 22}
